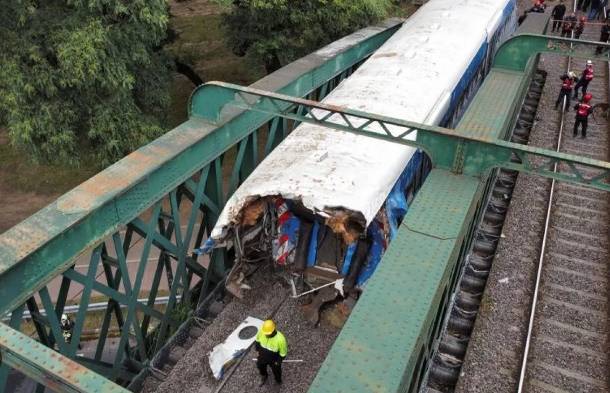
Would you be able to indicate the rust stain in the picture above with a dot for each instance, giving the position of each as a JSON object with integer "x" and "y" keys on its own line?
{"x": 388, "y": 54}
{"x": 336, "y": 108}
{"x": 24, "y": 239}
{"x": 116, "y": 178}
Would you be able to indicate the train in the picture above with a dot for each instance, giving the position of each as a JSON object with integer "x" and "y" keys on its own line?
{"x": 325, "y": 204}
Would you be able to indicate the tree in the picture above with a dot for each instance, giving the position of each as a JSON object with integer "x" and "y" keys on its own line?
{"x": 83, "y": 75}
{"x": 279, "y": 31}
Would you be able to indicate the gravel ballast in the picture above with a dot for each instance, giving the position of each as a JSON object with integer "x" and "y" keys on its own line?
{"x": 192, "y": 373}
{"x": 569, "y": 349}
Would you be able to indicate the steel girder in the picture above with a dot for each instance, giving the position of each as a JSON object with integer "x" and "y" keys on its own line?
{"x": 515, "y": 53}
{"x": 477, "y": 155}
{"x": 164, "y": 197}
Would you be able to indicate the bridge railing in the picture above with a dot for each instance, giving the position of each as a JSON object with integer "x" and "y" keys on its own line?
{"x": 131, "y": 229}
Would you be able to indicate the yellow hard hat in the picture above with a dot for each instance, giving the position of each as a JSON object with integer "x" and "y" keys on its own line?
{"x": 268, "y": 327}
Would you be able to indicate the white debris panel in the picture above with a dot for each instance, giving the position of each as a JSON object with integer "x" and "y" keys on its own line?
{"x": 224, "y": 354}
{"x": 412, "y": 77}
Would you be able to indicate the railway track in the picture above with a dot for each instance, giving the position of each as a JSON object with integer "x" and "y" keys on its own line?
{"x": 567, "y": 346}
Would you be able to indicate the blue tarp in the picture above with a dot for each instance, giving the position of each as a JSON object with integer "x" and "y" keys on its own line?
{"x": 312, "y": 252}
{"x": 396, "y": 203}
{"x": 347, "y": 261}
{"x": 376, "y": 235}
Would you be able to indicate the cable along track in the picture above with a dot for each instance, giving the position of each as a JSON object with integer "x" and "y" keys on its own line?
{"x": 567, "y": 347}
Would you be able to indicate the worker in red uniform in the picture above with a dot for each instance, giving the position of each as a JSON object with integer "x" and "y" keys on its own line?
{"x": 567, "y": 83}
{"x": 585, "y": 79}
{"x": 538, "y": 7}
{"x": 569, "y": 23}
{"x": 580, "y": 27}
{"x": 583, "y": 110}
{"x": 272, "y": 349}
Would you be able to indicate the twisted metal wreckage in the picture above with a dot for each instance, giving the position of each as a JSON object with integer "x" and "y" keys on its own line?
{"x": 324, "y": 205}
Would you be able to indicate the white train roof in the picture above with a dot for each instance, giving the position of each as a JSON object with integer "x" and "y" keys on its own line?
{"x": 411, "y": 77}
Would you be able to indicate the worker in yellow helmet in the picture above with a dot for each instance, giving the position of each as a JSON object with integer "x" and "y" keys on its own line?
{"x": 272, "y": 349}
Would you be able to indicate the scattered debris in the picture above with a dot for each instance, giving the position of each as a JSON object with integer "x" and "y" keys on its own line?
{"x": 225, "y": 354}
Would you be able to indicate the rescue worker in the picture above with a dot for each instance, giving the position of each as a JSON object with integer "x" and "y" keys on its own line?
{"x": 66, "y": 326}
{"x": 585, "y": 79}
{"x": 580, "y": 27}
{"x": 583, "y": 110}
{"x": 603, "y": 37}
{"x": 272, "y": 349}
{"x": 567, "y": 83}
{"x": 569, "y": 22}
{"x": 557, "y": 15}
{"x": 538, "y": 7}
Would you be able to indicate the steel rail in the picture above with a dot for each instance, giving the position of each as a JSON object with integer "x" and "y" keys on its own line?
{"x": 547, "y": 221}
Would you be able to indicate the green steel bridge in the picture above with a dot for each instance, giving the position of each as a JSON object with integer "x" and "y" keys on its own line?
{"x": 180, "y": 182}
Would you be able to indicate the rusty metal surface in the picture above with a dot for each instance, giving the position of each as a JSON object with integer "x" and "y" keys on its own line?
{"x": 49, "y": 367}
{"x": 133, "y": 171}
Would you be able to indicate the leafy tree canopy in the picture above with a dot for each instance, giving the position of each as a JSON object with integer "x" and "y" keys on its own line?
{"x": 83, "y": 73}
{"x": 279, "y": 31}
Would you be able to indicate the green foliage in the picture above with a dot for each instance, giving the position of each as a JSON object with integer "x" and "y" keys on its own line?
{"x": 279, "y": 31}
{"x": 80, "y": 74}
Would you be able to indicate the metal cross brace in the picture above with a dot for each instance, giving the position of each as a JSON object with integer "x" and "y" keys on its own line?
{"x": 441, "y": 144}
{"x": 515, "y": 52}
{"x": 49, "y": 367}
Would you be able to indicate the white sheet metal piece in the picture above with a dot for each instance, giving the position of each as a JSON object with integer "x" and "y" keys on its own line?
{"x": 410, "y": 77}
{"x": 232, "y": 347}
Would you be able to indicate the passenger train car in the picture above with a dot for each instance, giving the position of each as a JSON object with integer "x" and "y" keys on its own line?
{"x": 326, "y": 202}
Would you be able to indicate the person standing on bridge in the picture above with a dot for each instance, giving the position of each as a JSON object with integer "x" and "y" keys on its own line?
{"x": 583, "y": 110}
{"x": 538, "y": 7}
{"x": 272, "y": 349}
{"x": 580, "y": 27}
{"x": 66, "y": 326}
{"x": 567, "y": 83}
{"x": 595, "y": 9}
{"x": 569, "y": 22}
{"x": 557, "y": 14}
{"x": 585, "y": 79}
{"x": 603, "y": 37}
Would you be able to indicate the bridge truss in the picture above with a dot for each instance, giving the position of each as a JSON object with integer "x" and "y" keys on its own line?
{"x": 169, "y": 194}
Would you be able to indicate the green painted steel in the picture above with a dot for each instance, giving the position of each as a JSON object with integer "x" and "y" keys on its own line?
{"x": 417, "y": 275}
{"x": 516, "y": 52}
{"x": 61, "y": 374}
{"x": 390, "y": 321}
{"x": 142, "y": 196}
{"x": 481, "y": 150}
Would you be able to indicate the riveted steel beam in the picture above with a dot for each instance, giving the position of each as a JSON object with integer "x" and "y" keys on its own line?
{"x": 442, "y": 144}
{"x": 187, "y": 161}
{"x": 42, "y": 247}
{"x": 515, "y": 52}
{"x": 48, "y": 367}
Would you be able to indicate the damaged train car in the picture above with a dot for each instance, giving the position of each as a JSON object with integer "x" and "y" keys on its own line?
{"x": 324, "y": 205}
